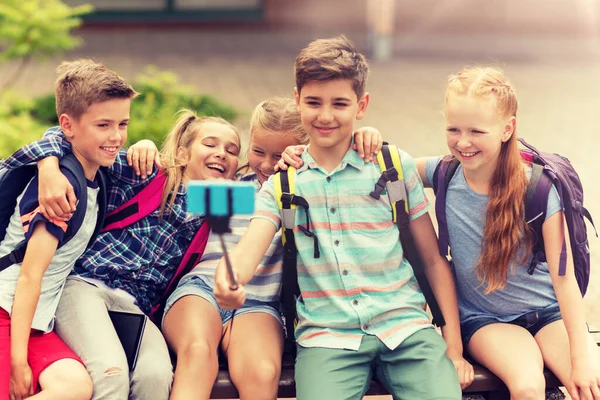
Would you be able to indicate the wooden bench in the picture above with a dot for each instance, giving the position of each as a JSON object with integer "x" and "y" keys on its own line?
{"x": 485, "y": 383}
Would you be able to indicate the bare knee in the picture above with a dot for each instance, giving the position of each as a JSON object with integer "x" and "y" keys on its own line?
{"x": 74, "y": 388}
{"x": 198, "y": 351}
{"x": 263, "y": 374}
{"x": 528, "y": 389}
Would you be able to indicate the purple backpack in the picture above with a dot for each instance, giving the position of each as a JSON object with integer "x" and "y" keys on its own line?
{"x": 548, "y": 169}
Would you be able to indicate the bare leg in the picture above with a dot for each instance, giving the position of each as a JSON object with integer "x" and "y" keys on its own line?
{"x": 254, "y": 347}
{"x": 65, "y": 379}
{"x": 193, "y": 329}
{"x": 554, "y": 345}
{"x": 510, "y": 352}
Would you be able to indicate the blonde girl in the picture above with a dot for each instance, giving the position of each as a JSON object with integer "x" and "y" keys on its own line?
{"x": 512, "y": 322}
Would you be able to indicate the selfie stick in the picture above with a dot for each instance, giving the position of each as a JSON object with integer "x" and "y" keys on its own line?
{"x": 220, "y": 225}
{"x": 218, "y": 201}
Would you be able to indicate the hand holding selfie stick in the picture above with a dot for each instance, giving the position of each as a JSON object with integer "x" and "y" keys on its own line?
{"x": 219, "y": 201}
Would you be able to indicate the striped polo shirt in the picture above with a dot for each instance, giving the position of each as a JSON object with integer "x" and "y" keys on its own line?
{"x": 266, "y": 283}
{"x": 361, "y": 284}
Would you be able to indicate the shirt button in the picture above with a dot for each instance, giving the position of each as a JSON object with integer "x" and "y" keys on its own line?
{"x": 366, "y": 326}
{"x": 332, "y": 210}
{"x": 355, "y": 302}
{"x": 328, "y": 179}
{"x": 157, "y": 251}
{"x": 337, "y": 242}
{"x": 345, "y": 272}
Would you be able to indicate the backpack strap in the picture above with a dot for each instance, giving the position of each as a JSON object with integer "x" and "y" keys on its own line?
{"x": 71, "y": 164}
{"x": 288, "y": 202}
{"x": 139, "y": 206}
{"x": 393, "y": 176}
{"x": 536, "y": 204}
{"x": 188, "y": 262}
{"x": 442, "y": 176}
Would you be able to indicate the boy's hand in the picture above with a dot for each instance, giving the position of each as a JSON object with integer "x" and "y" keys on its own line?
{"x": 226, "y": 298}
{"x": 290, "y": 156}
{"x": 464, "y": 369}
{"x": 142, "y": 156}
{"x": 21, "y": 382}
{"x": 55, "y": 193}
{"x": 368, "y": 142}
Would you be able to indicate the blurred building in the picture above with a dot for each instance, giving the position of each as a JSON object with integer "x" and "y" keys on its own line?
{"x": 425, "y": 16}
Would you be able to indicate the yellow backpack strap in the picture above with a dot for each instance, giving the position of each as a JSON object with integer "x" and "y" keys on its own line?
{"x": 391, "y": 179}
{"x": 284, "y": 183}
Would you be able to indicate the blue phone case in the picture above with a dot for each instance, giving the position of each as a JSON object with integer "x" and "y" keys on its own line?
{"x": 220, "y": 198}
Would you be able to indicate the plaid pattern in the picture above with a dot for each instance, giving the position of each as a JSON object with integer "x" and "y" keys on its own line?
{"x": 140, "y": 259}
{"x": 361, "y": 284}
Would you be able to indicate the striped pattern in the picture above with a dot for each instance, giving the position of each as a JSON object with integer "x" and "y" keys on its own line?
{"x": 266, "y": 283}
{"x": 361, "y": 284}
{"x": 140, "y": 259}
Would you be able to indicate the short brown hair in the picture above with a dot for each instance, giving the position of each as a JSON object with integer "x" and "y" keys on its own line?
{"x": 83, "y": 82}
{"x": 329, "y": 59}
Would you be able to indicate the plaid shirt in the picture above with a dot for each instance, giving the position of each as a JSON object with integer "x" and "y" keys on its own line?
{"x": 140, "y": 259}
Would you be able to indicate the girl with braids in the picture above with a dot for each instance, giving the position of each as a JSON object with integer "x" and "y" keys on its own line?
{"x": 512, "y": 322}
{"x": 128, "y": 269}
{"x": 196, "y": 327}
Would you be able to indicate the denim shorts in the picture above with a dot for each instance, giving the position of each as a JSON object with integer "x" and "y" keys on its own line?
{"x": 194, "y": 285}
{"x": 533, "y": 321}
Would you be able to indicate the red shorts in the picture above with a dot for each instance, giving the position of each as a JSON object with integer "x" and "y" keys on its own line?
{"x": 43, "y": 350}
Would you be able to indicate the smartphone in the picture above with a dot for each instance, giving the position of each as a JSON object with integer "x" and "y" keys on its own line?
{"x": 130, "y": 329}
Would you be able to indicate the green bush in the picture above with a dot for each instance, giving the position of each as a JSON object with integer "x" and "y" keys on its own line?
{"x": 152, "y": 113}
{"x": 161, "y": 96}
{"x": 17, "y": 126}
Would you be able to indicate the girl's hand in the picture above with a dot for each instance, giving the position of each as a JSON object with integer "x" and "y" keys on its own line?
{"x": 368, "y": 142}
{"x": 142, "y": 156}
{"x": 290, "y": 156}
{"x": 55, "y": 193}
{"x": 464, "y": 369}
{"x": 21, "y": 382}
{"x": 584, "y": 383}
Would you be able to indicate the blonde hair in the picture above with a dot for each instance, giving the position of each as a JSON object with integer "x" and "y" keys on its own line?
{"x": 505, "y": 228}
{"x": 278, "y": 114}
{"x": 83, "y": 82}
{"x": 329, "y": 59}
{"x": 183, "y": 134}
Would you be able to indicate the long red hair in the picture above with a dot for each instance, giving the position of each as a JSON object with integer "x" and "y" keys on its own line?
{"x": 505, "y": 231}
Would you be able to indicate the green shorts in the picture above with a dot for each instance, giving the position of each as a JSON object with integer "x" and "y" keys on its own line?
{"x": 417, "y": 369}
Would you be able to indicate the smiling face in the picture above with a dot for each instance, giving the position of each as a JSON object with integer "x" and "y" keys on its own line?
{"x": 213, "y": 153}
{"x": 265, "y": 150}
{"x": 97, "y": 136}
{"x": 475, "y": 131}
{"x": 328, "y": 110}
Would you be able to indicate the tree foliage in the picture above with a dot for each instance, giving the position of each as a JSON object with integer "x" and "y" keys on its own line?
{"x": 36, "y": 29}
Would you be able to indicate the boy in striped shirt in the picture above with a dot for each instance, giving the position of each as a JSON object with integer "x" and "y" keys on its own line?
{"x": 361, "y": 311}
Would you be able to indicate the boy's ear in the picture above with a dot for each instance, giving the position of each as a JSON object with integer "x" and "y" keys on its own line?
{"x": 297, "y": 97}
{"x": 363, "y": 102}
{"x": 509, "y": 129}
{"x": 66, "y": 125}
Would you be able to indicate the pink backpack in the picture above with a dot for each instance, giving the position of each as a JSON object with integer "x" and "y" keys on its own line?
{"x": 143, "y": 204}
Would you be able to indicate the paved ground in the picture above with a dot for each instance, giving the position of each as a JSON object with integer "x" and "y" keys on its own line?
{"x": 557, "y": 80}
